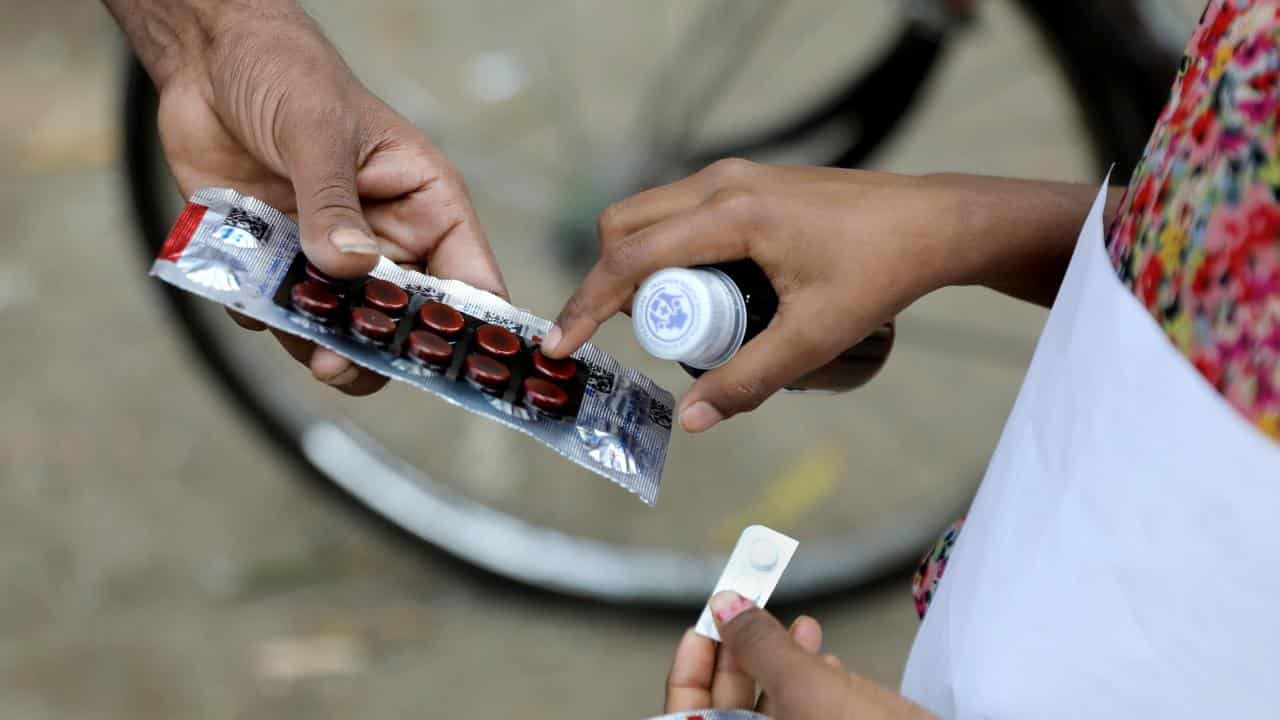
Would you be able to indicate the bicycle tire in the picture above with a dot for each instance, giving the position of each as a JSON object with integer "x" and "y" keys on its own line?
{"x": 1111, "y": 122}
{"x": 1119, "y": 69}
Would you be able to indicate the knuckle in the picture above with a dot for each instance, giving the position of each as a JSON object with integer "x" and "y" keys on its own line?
{"x": 333, "y": 195}
{"x": 746, "y": 393}
{"x": 671, "y": 680}
{"x": 731, "y": 168}
{"x": 610, "y": 225}
{"x": 452, "y": 179}
{"x": 455, "y": 198}
{"x": 736, "y": 205}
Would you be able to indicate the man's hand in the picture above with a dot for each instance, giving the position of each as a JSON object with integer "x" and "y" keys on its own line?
{"x": 757, "y": 652}
{"x": 253, "y": 97}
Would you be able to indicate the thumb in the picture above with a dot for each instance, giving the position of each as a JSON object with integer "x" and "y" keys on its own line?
{"x": 800, "y": 684}
{"x": 786, "y": 350}
{"x": 335, "y": 236}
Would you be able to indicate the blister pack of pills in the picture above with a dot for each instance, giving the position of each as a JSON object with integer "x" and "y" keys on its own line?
{"x": 467, "y": 346}
{"x": 754, "y": 568}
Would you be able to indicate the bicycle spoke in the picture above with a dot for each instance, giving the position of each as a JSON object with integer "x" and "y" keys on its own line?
{"x": 701, "y": 69}
{"x": 566, "y": 97}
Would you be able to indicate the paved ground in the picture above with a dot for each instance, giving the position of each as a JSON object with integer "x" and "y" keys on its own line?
{"x": 157, "y": 561}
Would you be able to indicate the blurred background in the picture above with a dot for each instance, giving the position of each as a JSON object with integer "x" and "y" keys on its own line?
{"x": 161, "y": 557}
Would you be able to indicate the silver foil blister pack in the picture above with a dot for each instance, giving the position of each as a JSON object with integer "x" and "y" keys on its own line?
{"x": 240, "y": 252}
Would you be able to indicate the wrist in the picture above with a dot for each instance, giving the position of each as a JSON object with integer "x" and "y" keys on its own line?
{"x": 1013, "y": 236}
{"x": 171, "y": 38}
{"x": 961, "y": 220}
{"x": 946, "y": 224}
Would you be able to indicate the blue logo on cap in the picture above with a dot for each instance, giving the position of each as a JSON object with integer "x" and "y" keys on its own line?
{"x": 669, "y": 313}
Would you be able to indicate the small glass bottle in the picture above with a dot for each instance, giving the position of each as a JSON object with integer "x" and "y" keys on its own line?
{"x": 701, "y": 316}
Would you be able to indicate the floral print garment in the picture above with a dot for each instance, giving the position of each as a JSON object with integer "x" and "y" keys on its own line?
{"x": 1197, "y": 237}
{"x": 931, "y": 568}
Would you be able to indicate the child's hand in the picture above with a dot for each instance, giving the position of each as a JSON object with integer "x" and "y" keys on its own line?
{"x": 797, "y": 683}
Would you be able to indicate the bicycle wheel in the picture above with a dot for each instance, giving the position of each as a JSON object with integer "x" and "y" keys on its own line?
{"x": 527, "y": 101}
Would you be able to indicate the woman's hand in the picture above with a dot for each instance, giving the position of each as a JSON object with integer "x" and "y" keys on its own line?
{"x": 845, "y": 250}
{"x": 757, "y": 652}
{"x": 253, "y": 97}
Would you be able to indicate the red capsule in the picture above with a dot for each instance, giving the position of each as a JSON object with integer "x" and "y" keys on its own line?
{"x": 546, "y": 396}
{"x": 486, "y": 371}
{"x": 313, "y": 273}
{"x": 429, "y": 348}
{"x": 313, "y": 299}
{"x": 562, "y": 370}
{"x": 497, "y": 341}
{"x": 441, "y": 318}
{"x": 385, "y": 296}
{"x": 372, "y": 325}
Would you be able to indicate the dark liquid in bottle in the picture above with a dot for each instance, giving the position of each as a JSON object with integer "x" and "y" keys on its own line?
{"x": 852, "y": 369}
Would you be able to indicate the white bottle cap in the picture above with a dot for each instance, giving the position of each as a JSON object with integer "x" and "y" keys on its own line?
{"x": 695, "y": 316}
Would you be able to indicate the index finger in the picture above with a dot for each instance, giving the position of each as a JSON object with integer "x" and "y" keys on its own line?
{"x": 421, "y": 203}
{"x": 647, "y": 207}
{"x": 463, "y": 253}
{"x": 689, "y": 682}
{"x": 731, "y": 687}
{"x": 707, "y": 234}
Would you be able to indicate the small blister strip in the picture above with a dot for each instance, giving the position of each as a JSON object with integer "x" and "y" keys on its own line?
{"x": 755, "y": 566}
{"x": 242, "y": 253}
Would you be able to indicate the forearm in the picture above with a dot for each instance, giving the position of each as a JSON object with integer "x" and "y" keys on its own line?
{"x": 168, "y": 35}
{"x": 1016, "y": 236}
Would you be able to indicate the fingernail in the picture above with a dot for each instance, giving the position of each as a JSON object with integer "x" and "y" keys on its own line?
{"x": 351, "y": 240}
{"x": 700, "y": 416}
{"x": 346, "y": 377}
{"x": 552, "y": 339}
{"x": 728, "y": 605}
